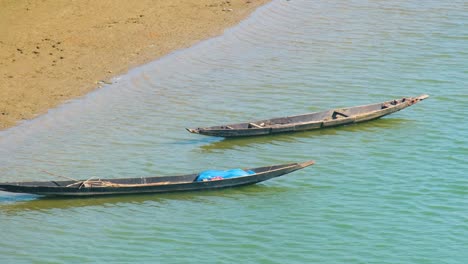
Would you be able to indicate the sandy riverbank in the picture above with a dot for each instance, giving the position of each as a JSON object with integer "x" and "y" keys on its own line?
{"x": 52, "y": 51}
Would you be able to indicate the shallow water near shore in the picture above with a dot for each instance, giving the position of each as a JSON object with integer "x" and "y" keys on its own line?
{"x": 392, "y": 190}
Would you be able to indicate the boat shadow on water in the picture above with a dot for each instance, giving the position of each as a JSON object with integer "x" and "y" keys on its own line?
{"x": 15, "y": 203}
{"x": 374, "y": 126}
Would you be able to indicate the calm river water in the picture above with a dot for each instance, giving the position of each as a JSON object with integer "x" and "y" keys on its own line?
{"x": 393, "y": 190}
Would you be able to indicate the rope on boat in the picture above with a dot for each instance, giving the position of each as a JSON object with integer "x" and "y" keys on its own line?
{"x": 66, "y": 177}
{"x": 100, "y": 183}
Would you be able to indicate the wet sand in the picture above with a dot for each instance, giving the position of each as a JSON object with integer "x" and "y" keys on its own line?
{"x": 53, "y": 51}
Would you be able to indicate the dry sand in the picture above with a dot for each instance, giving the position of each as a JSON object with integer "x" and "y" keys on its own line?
{"x": 53, "y": 50}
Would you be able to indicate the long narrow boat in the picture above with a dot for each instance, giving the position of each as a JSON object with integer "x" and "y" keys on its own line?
{"x": 311, "y": 121}
{"x": 160, "y": 184}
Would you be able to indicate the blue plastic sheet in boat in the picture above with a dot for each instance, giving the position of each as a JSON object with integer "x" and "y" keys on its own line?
{"x": 210, "y": 175}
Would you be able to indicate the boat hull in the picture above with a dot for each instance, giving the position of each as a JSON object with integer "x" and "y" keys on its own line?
{"x": 312, "y": 121}
{"x": 151, "y": 184}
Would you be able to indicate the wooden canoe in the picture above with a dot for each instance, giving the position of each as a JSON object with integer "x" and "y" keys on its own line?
{"x": 149, "y": 184}
{"x": 311, "y": 121}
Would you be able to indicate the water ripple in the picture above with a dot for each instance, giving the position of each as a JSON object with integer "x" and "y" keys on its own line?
{"x": 397, "y": 184}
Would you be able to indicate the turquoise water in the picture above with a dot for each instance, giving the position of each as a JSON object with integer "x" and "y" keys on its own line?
{"x": 388, "y": 191}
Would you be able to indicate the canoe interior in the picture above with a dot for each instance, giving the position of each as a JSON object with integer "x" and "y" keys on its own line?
{"x": 310, "y": 121}
{"x": 311, "y": 117}
{"x": 143, "y": 180}
{"x": 188, "y": 182}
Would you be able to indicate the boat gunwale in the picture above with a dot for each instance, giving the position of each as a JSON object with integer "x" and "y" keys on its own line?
{"x": 287, "y": 166}
{"x": 223, "y": 128}
{"x": 140, "y": 188}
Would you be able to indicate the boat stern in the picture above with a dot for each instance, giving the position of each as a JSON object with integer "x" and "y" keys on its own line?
{"x": 422, "y": 97}
{"x": 193, "y": 130}
{"x": 306, "y": 163}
